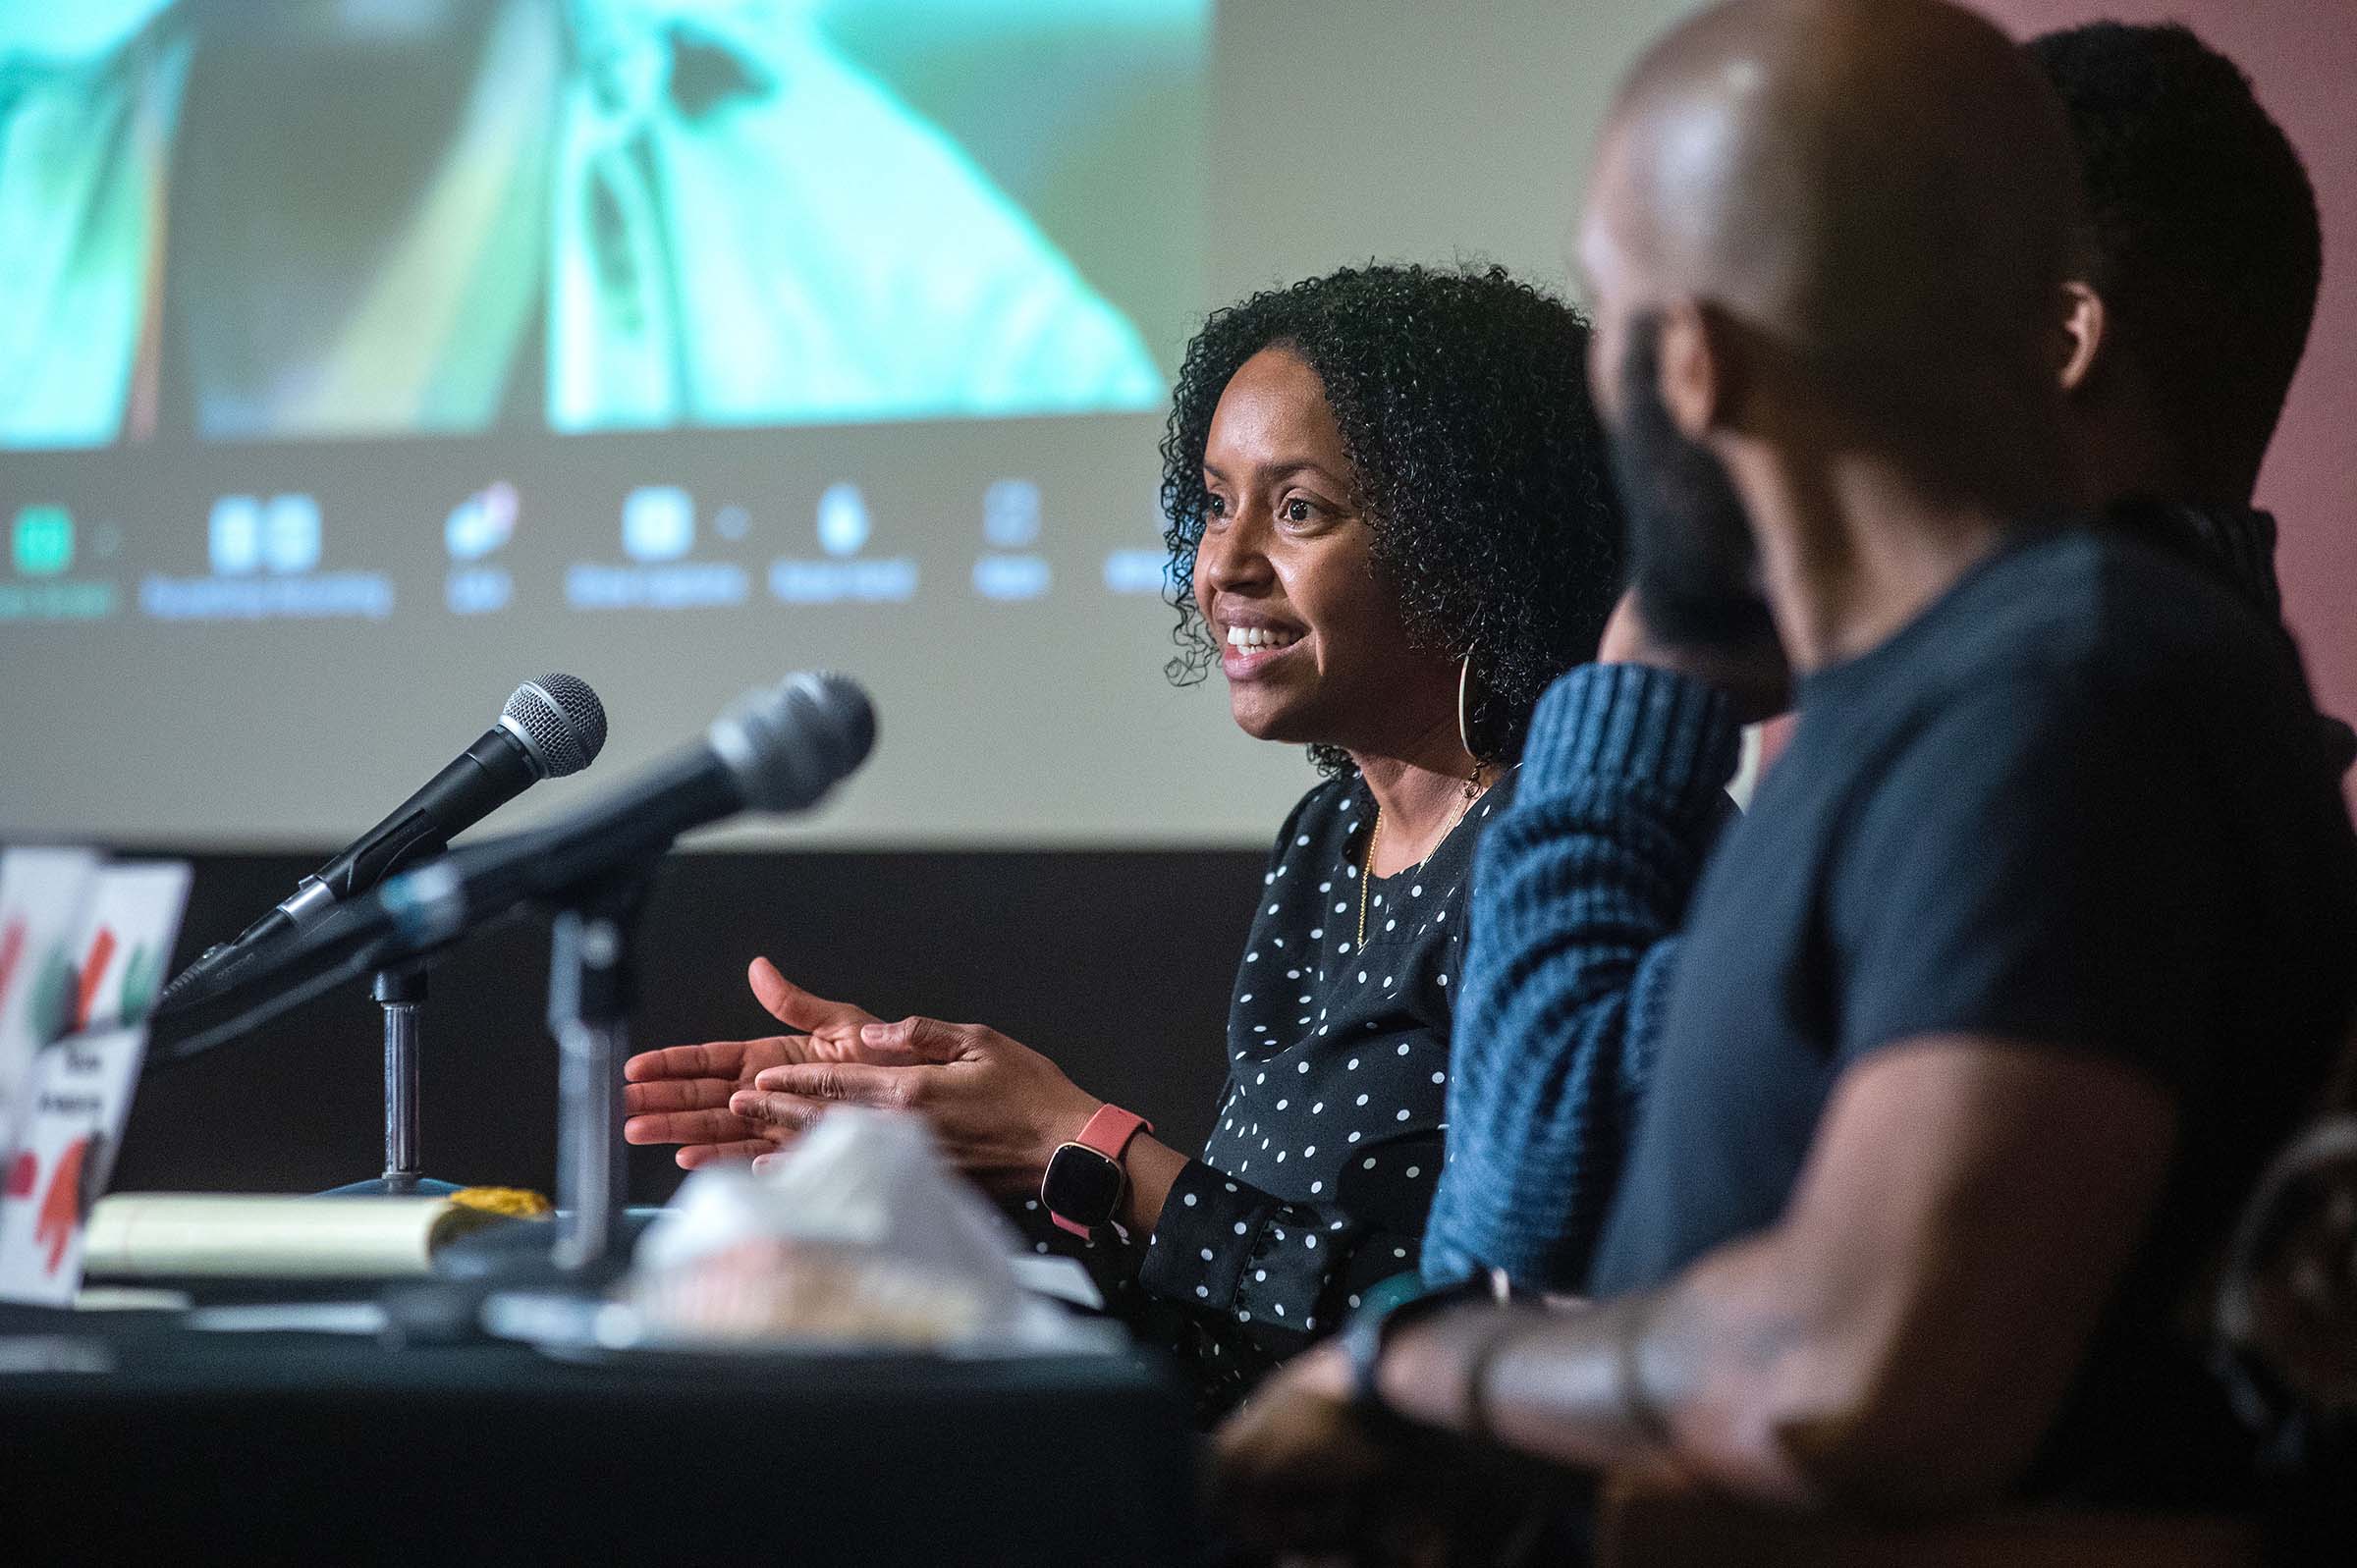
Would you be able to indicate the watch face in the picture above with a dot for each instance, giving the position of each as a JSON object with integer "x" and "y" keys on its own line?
{"x": 1082, "y": 1185}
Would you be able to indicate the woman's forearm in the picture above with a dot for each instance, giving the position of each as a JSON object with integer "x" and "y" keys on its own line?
{"x": 1154, "y": 1167}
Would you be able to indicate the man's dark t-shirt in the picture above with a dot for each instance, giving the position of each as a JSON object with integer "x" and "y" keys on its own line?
{"x": 2078, "y": 803}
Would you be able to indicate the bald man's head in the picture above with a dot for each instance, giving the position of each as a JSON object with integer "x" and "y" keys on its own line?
{"x": 1863, "y": 183}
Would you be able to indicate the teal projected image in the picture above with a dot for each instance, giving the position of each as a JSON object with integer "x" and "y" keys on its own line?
{"x": 361, "y": 218}
{"x": 41, "y": 544}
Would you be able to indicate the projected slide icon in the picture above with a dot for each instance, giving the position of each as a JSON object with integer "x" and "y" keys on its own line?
{"x": 658, "y": 523}
{"x": 1142, "y": 570}
{"x": 480, "y": 526}
{"x": 482, "y": 523}
{"x": 841, "y": 574}
{"x": 842, "y": 525}
{"x": 1011, "y": 513}
{"x": 1011, "y": 509}
{"x": 233, "y": 536}
{"x": 658, "y": 529}
{"x": 264, "y": 556}
{"x": 41, "y": 544}
{"x": 41, "y": 551}
{"x": 1136, "y": 571}
{"x": 246, "y": 534}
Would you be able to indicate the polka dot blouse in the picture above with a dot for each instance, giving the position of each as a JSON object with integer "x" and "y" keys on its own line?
{"x": 1320, "y": 1167}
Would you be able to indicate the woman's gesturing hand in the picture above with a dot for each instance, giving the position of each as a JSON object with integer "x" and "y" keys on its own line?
{"x": 681, "y": 1095}
{"x": 998, "y": 1108}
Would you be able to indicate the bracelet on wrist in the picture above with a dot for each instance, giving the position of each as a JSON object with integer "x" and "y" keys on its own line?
{"x": 1637, "y": 1405}
{"x": 1397, "y": 1303}
{"x": 1390, "y": 1307}
{"x": 1475, "y": 1395}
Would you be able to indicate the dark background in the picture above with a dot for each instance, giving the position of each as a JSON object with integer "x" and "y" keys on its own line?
{"x": 1116, "y": 964}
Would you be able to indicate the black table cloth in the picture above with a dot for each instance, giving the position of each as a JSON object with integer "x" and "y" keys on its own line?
{"x": 143, "y": 1441}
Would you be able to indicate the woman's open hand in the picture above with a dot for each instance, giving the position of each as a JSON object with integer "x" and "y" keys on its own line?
{"x": 681, "y": 1095}
{"x": 998, "y": 1108}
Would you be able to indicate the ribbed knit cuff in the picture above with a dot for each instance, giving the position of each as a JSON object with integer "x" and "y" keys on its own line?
{"x": 1638, "y": 723}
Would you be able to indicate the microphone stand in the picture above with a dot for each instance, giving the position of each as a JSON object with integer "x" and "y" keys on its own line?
{"x": 593, "y": 986}
{"x": 554, "y": 1272}
{"x": 401, "y": 992}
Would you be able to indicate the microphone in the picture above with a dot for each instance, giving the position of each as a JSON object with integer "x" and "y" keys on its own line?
{"x": 550, "y": 728}
{"x": 775, "y": 750}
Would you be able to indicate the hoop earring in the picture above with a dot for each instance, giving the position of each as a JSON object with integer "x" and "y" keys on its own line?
{"x": 1465, "y": 710}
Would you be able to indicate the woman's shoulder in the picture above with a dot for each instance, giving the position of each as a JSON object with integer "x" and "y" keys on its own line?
{"x": 1330, "y": 806}
{"x": 1499, "y": 795}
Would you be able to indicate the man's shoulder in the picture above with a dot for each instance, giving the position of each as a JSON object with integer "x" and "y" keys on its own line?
{"x": 2082, "y": 624}
{"x": 2071, "y": 675}
{"x": 2088, "y": 596}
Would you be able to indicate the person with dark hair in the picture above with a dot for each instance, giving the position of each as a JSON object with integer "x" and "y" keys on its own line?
{"x": 1391, "y": 528}
{"x": 2199, "y": 260}
{"x": 2200, "y": 254}
{"x": 2034, "y": 944}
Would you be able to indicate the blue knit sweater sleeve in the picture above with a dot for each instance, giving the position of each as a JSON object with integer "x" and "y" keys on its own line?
{"x": 1579, "y": 891}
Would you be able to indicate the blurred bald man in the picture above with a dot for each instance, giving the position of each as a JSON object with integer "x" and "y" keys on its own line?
{"x": 2035, "y": 943}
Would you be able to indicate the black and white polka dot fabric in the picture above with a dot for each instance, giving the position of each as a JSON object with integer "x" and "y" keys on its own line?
{"x": 1315, "y": 1180}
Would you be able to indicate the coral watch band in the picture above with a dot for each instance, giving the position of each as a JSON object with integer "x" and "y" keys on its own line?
{"x": 1107, "y": 1133}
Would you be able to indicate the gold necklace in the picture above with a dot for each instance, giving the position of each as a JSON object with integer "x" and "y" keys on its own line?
{"x": 1366, "y": 872}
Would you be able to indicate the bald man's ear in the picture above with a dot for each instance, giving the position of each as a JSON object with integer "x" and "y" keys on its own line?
{"x": 2082, "y": 336}
{"x": 1696, "y": 369}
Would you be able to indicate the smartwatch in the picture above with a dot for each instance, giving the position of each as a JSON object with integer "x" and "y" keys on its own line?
{"x": 1087, "y": 1180}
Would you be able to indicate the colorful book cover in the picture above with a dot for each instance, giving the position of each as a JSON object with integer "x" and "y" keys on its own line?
{"x": 75, "y": 1099}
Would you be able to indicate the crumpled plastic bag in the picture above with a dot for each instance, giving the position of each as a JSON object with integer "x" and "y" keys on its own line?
{"x": 862, "y": 1235}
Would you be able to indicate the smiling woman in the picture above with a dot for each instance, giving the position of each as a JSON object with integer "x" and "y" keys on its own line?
{"x": 1445, "y": 412}
{"x": 1283, "y": 571}
{"x": 1390, "y": 527}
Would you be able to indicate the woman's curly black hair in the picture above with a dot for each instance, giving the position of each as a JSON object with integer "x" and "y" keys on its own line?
{"x": 1479, "y": 463}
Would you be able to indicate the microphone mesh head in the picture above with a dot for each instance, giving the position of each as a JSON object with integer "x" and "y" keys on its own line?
{"x": 788, "y": 747}
{"x": 564, "y": 724}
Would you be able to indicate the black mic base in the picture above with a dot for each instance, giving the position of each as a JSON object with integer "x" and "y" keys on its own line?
{"x": 395, "y": 1187}
{"x": 523, "y": 1254}
{"x": 517, "y": 1257}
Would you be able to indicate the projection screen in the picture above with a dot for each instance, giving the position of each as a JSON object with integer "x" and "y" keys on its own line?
{"x": 362, "y": 358}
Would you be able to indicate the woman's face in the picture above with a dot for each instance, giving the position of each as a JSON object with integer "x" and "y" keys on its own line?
{"x": 1310, "y": 641}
